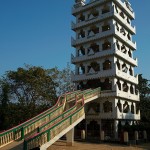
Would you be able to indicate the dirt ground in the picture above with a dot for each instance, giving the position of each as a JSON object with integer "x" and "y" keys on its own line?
{"x": 61, "y": 145}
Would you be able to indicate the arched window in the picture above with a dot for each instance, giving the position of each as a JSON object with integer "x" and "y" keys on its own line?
{"x": 118, "y": 64}
{"x": 107, "y": 65}
{"x": 106, "y": 45}
{"x": 93, "y": 30}
{"x": 117, "y": 27}
{"x": 107, "y": 107}
{"x": 123, "y": 49}
{"x": 128, "y": 20}
{"x": 93, "y": 14}
{"x": 105, "y": 9}
{"x": 124, "y": 68}
{"x": 131, "y": 89}
{"x": 81, "y": 51}
{"x": 117, "y": 44}
{"x": 125, "y": 87}
{"x": 95, "y": 66}
{"x": 130, "y": 71}
{"x": 132, "y": 108}
{"x": 105, "y": 27}
{"x": 129, "y": 53}
{"x": 81, "y": 69}
{"x": 119, "y": 105}
{"x": 119, "y": 85}
{"x": 107, "y": 85}
{"x": 125, "y": 107}
{"x": 129, "y": 37}
{"x": 81, "y": 34}
{"x": 81, "y": 18}
{"x": 122, "y": 30}
{"x": 93, "y": 48}
{"x": 122, "y": 15}
{"x": 116, "y": 8}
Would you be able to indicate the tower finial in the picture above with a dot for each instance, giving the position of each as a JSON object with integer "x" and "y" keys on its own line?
{"x": 79, "y": 3}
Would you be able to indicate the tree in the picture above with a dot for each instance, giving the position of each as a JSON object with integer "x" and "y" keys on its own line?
{"x": 63, "y": 79}
{"x": 29, "y": 91}
{"x": 144, "y": 90}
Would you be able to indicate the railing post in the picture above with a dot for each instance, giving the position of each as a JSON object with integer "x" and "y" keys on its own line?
{"x": 22, "y": 133}
{"x": 24, "y": 145}
{"x": 48, "y": 136}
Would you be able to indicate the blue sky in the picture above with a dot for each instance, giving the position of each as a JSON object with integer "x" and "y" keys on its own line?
{"x": 38, "y": 32}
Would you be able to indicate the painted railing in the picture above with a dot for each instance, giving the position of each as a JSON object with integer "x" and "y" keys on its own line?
{"x": 29, "y": 127}
{"x": 56, "y": 126}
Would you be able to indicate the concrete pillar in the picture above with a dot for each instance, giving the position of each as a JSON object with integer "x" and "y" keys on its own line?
{"x": 136, "y": 135}
{"x": 70, "y": 137}
{"x": 83, "y": 134}
{"x": 116, "y": 129}
{"x": 126, "y": 138}
{"x": 102, "y": 135}
{"x": 145, "y": 135}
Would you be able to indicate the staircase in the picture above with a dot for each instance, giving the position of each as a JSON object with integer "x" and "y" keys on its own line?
{"x": 49, "y": 126}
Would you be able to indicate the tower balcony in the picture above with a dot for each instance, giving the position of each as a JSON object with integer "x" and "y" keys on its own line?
{"x": 76, "y": 10}
{"x": 126, "y": 76}
{"x": 120, "y": 94}
{"x": 131, "y": 60}
{"x": 130, "y": 116}
{"x": 102, "y": 17}
{"x": 125, "y": 40}
{"x": 112, "y": 51}
{"x": 124, "y": 23}
{"x": 126, "y": 8}
{"x": 93, "y": 75}
{"x": 79, "y": 41}
{"x": 127, "y": 95}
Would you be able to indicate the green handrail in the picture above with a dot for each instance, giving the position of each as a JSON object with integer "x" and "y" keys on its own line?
{"x": 19, "y": 130}
{"x": 47, "y": 134}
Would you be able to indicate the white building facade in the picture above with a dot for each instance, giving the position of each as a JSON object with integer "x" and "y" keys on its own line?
{"x": 104, "y": 58}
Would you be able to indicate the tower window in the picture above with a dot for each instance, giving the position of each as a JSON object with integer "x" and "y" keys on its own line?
{"x": 118, "y": 64}
{"x": 129, "y": 53}
{"x": 106, "y": 45}
{"x": 107, "y": 107}
{"x": 81, "y": 51}
{"x": 94, "y": 13}
{"x": 105, "y": 28}
{"x": 119, "y": 85}
{"x": 131, "y": 71}
{"x": 126, "y": 107}
{"x": 131, "y": 89}
{"x": 122, "y": 15}
{"x": 81, "y": 34}
{"x": 124, "y": 68}
{"x": 107, "y": 65}
{"x": 81, "y": 18}
{"x": 132, "y": 108}
{"x": 106, "y": 9}
{"x": 125, "y": 87}
{"x": 123, "y": 49}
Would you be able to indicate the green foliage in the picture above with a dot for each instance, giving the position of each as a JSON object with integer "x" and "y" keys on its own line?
{"x": 144, "y": 89}
{"x": 23, "y": 92}
{"x": 29, "y": 91}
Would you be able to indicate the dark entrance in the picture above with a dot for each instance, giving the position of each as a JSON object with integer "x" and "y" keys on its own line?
{"x": 93, "y": 130}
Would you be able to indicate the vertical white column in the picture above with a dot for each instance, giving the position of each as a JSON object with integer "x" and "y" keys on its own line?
{"x": 70, "y": 137}
{"x": 116, "y": 129}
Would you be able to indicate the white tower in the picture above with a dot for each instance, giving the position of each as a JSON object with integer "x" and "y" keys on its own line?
{"x": 104, "y": 58}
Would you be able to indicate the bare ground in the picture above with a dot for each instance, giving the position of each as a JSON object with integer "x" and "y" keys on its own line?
{"x": 61, "y": 145}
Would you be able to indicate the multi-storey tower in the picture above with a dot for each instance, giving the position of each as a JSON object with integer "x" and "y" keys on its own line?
{"x": 104, "y": 58}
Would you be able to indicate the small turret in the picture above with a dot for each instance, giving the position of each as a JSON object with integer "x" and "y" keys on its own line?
{"x": 79, "y": 3}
